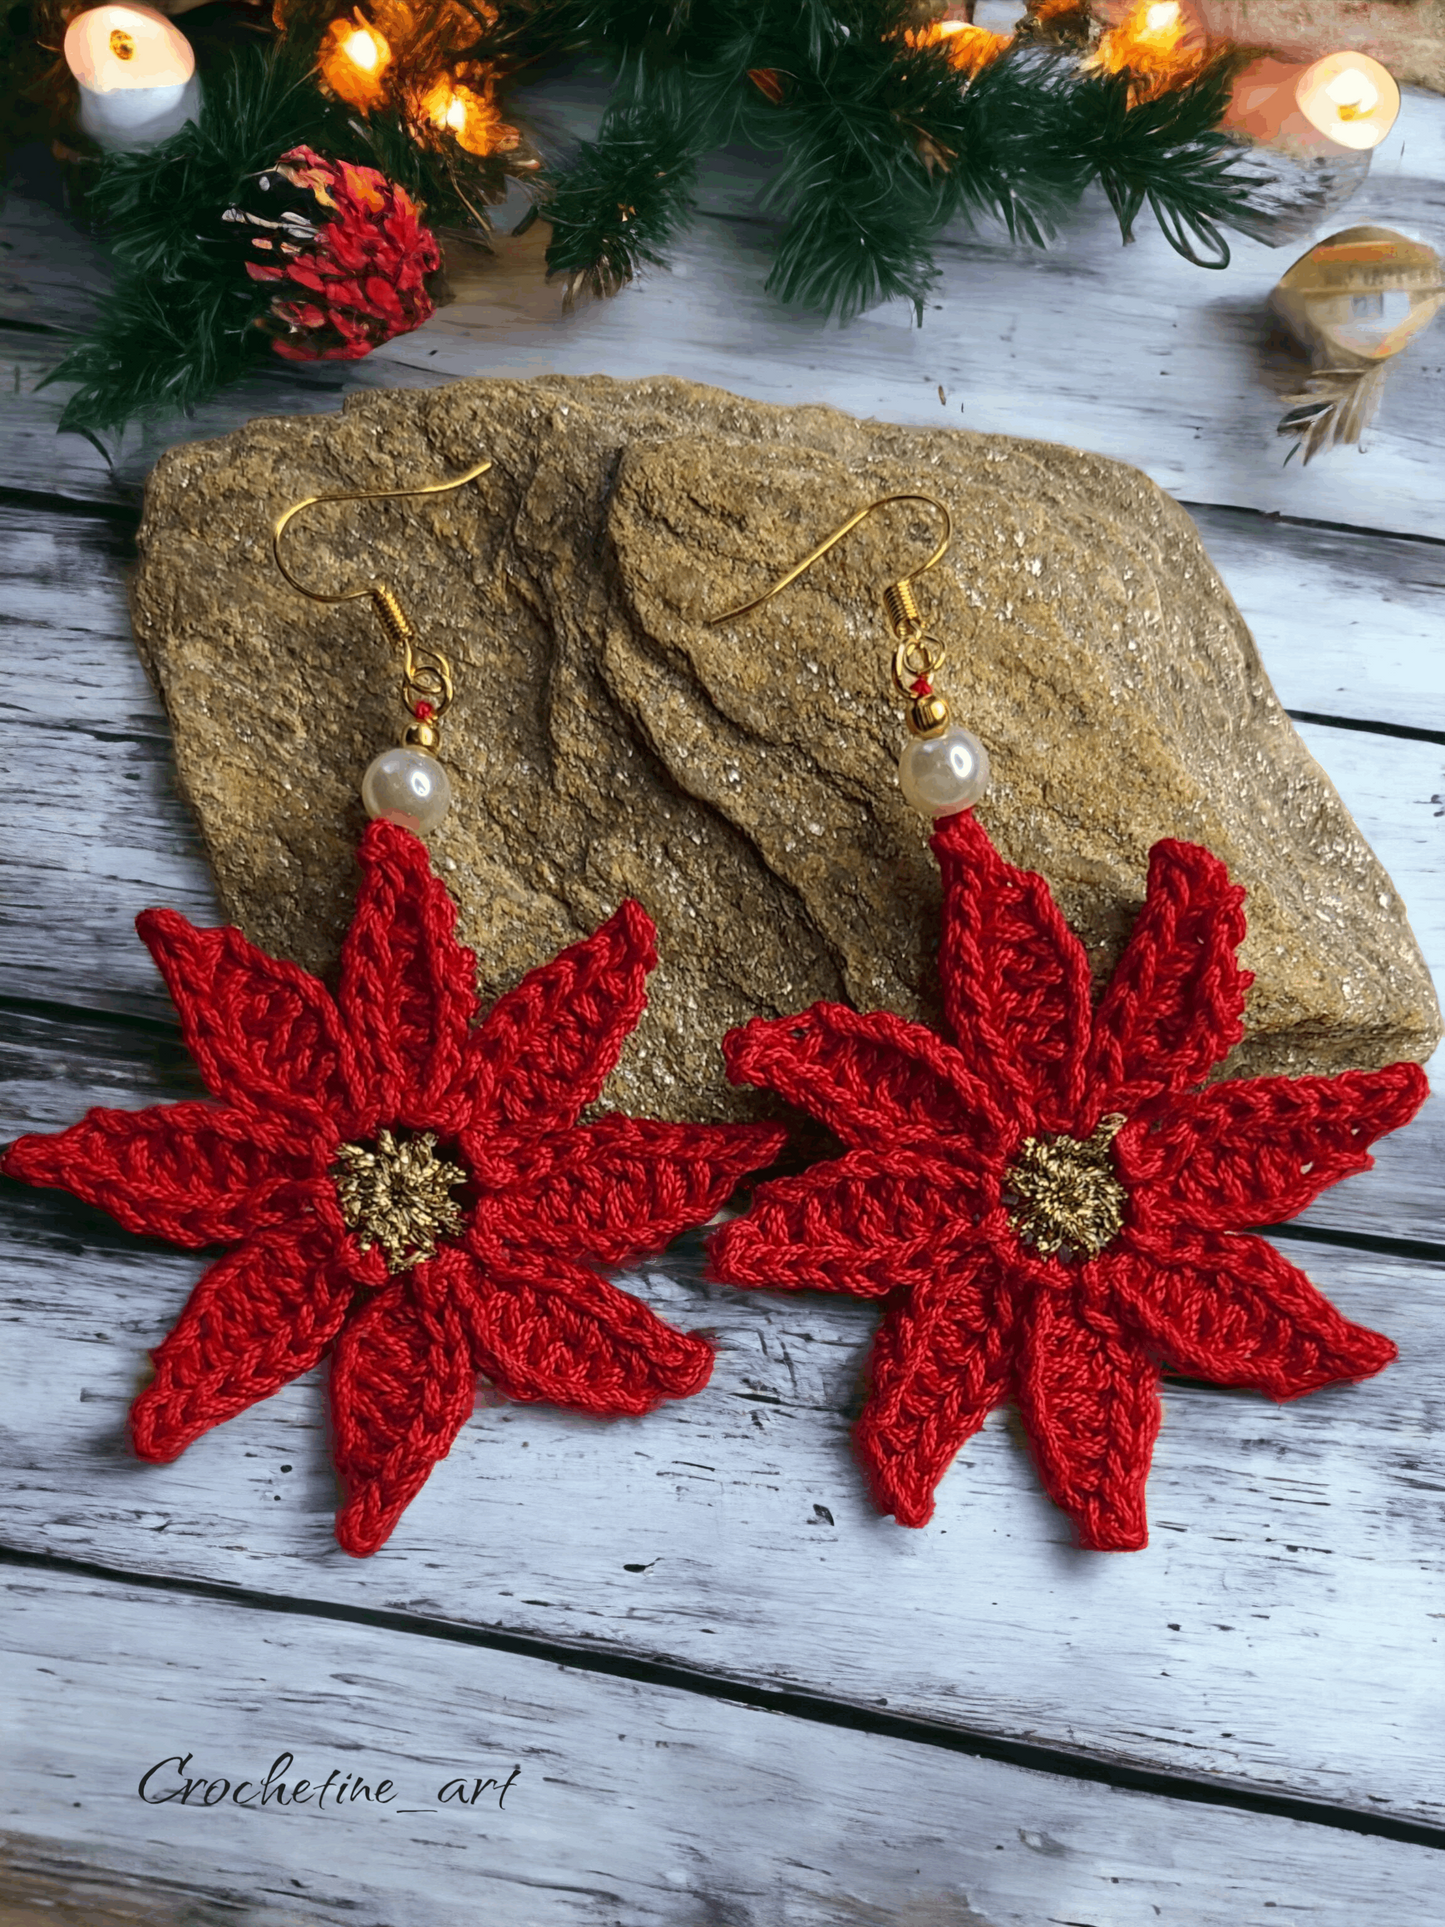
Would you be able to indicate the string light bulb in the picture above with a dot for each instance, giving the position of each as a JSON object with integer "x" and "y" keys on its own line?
{"x": 353, "y": 60}
{"x": 363, "y": 49}
{"x": 469, "y": 114}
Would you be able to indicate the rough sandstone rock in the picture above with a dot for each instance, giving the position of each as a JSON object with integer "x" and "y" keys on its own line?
{"x": 740, "y": 779}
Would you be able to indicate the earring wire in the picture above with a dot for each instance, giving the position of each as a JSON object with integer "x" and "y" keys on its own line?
{"x": 918, "y": 655}
{"x": 903, "y": 615}
{"x": 426, "y": 672}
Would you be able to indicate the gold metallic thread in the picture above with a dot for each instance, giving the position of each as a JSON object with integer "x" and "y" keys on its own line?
{"x": 1062, "y": 1195}
{"x": 397, "y": 1194}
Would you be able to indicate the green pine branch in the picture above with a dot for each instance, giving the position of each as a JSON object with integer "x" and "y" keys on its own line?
{"x": 882, "y": 146}
{"x": 624, "y": 198}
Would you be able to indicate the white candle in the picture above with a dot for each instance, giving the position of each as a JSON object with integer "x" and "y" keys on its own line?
{"x": 1345, "y": 100}
{"x": 137, "y": 76}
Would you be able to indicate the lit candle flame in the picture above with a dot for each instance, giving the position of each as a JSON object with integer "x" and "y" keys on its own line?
{"x": 1349, "y": 98}
{"x": 136, "y": 76}
{"x": 1345, "y": 100}
{"x": 1353, "y": 95}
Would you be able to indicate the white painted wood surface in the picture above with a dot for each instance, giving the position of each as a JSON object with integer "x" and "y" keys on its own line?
{"x": 632, "y": 1803}
{"x": 1280, "y": 1630}
{"x": 1280, "y": 1637}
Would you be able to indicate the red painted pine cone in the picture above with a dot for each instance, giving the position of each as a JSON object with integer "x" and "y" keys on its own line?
{"x": 347, "y": 252}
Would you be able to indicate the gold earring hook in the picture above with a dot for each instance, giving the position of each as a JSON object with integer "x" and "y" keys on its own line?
{"x": 918, "y": 655}
{"x": 898, "y": 599}
{"x": 426, "y": 672}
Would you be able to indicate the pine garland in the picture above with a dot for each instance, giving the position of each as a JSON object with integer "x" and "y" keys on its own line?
{"x": 179, "y": 322}
{"x": 887, "y": 125}
{"x": 884, "y": 141}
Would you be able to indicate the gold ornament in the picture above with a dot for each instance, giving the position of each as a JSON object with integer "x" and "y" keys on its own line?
{"x": 1353, "y": 301}
{"x": 1062, "y": 1193}
{"x": 398, "y": 1196}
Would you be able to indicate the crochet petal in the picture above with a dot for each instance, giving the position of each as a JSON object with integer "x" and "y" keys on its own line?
{"x": 408, "y": 988}
{"x": 1232, "y": 1310}
{"x": 1089, "y": 1399}
{"x": 544, "y": 1051}
{"x": 1016, "y": 987}
{"x": 871, "y": 1078}
{"x": 557, "y": 1333}
{"x": 615, "y": 1189}
{"x": 263, "y": 1032}
{"x": 402, "y": 1387}
{"x": 866, "y": 1223}
{"x": 259, "y": 1317}
{"x": 1173, "y": 1007}
{"x": 940, "y": 1363}
{"x": 1257, "y": 1151}
{"x": 189, "y": 1173}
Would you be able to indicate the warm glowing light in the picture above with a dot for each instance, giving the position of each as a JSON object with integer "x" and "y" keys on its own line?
{"x": 137, "y": 76}
{"x": 363, "y": 49}
{"x": 353, "y": 60}
{"x": 1158, "y": 46}
{"x": 127, "y": 47}
{"x": 471, "y": 115}
{"x": 1345, "y": 100}
{"x": 1349, "y": 98}
{"x": 967, "y": 48}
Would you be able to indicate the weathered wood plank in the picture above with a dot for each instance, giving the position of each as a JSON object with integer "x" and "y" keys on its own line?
{"x": 1280, "y": 1630}
{"x": 632, "y": 1804}
{"x": 1186, "y": 382}
{"x": 1348, "y": 625}
{"x": 89, "y": 818}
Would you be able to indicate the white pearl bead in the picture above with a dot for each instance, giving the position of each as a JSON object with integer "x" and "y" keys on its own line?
{"x": 409, "y": 787}
{"x": 941, "y": 775}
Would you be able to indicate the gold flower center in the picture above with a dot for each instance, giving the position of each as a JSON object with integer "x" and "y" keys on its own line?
{"x": 398, "y": 1196}
{"x": 1062, "y": 1195}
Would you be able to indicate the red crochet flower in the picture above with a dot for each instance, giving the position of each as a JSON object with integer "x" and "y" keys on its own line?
{"x": 466, "y": 1171}
{"x": 975, "y": 1158}
{"x": 351, "y": 272}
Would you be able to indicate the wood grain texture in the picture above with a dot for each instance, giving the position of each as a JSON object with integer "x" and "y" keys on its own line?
{"x": 1348, "y": 624}
{"x": 1185, "y": 372}
{"x": 1281, "y": 1629}
{"x": 89, "y": 817}
{"x": 634, "y": 1806}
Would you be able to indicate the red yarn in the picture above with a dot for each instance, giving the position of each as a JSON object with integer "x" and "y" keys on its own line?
{"x": 915, "y": 1213}
{"x": 298, "y": 1074}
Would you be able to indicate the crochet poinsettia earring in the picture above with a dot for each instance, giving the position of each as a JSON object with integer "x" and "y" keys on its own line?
{"x": 1046, "y": 1197}
{"x": 402, "y": 1186}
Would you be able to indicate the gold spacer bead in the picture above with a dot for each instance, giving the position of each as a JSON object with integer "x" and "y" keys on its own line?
{"x": 421, "y": 736}
{"x": 928, "y": 716}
